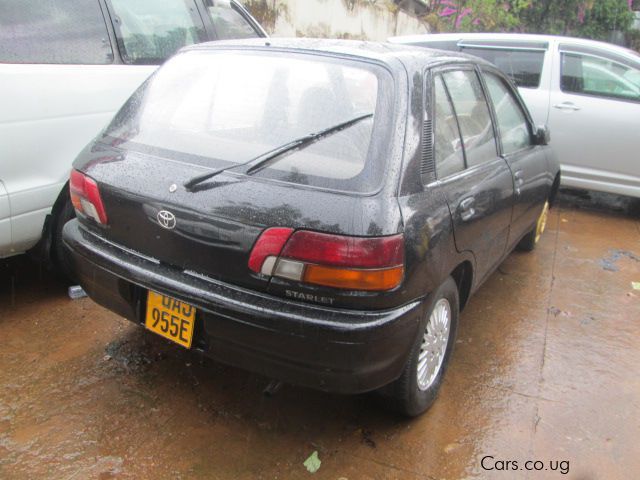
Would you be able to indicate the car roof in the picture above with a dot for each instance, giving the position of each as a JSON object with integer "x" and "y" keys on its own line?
{"x": 410, "y": 56}
{"x": 514, "y": 37}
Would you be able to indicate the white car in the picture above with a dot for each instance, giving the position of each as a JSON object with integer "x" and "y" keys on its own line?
{"x": 587, "y": 92}
{"x": 66, "y": 66}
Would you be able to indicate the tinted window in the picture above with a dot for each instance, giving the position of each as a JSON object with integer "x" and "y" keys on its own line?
{"x": 53, "y": 31}
{"x": 588, "y": 75}
{"x": 523, "y": 67}
{"x": 222, "y": 108}
{"x": 227, "y": 22}
{"x": 512, "y": 122}
{"x": 449, "y": 156}
{"x": 150, "y": 31}
{"x": 473, "y": 116}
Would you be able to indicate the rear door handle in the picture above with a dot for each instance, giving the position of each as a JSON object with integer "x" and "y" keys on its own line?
{"x": 572, "y": 107}
{"x": 466, "y": 209}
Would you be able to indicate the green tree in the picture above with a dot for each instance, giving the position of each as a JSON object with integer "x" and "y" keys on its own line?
{"x": 582, "y": 18}
{"x": 476, "y": 15}
{"x": 606, "y": 16}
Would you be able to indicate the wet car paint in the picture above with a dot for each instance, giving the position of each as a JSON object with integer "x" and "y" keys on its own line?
{"x": 545, "y": 368}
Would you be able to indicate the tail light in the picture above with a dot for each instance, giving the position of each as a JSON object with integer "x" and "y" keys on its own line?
{"x": 352, "y": 263}
{"x": 85, "y": 197}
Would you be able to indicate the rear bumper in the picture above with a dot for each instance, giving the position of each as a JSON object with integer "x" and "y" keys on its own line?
{"x": 330, "y": 349}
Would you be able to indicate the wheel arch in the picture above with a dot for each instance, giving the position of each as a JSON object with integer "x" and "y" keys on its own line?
{"x": 43, "y": 249}
{"x": 463, "y": 276}
{"x": 554, "y": 190}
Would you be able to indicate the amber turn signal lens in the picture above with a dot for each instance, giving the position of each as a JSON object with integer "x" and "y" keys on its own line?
{"x": 354, "y": 279}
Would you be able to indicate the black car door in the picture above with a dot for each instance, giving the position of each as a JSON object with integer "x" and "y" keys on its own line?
{"x": 526, "y": 160}
{"x": 477, "y": 182}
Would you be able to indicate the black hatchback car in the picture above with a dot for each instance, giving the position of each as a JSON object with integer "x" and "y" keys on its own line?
{"x": 315, "y": 211}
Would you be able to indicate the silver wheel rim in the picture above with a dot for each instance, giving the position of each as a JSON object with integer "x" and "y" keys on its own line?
{"x": 434, "y": 344}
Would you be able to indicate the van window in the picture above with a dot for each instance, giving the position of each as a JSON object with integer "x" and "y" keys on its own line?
{"x": 524, "y": 67}
{"x": 473, "y": 116}
{"x": 590, "y": 75}
{"x": 150, "y": 31}
{"x": 228, "y": 22}
{"x": 448, "y": 146}
{"x": 53, "y": 31}
{"x": 512, "y": 121}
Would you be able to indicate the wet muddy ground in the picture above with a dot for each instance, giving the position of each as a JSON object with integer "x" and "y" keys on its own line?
{"x": 545, "y": 369}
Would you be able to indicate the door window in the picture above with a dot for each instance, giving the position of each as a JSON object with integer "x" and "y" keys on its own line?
{"x": 590, "y": 75}
{"x": 53, "y": 31}
{"x": 512, "y": 121}
{"x": 522, "y": 66}
{"x": 448, "y": 147}
{"x": 473, "y": 116}
{"x": 150, "y": 31}
{"x": 227, "y": 21}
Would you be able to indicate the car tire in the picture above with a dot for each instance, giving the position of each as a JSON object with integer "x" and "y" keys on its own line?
{"x": 531, "y": 239}
{"x": 416, "y": 390}
{"x": 58, "y": 255}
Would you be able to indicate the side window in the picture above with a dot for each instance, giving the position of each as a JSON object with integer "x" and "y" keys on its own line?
{"x": 512, "y": 121}
{"x": 448, "y": 147}
{"x": 53, "y": 31}
{"x": 524, "y": 67}
{"x": 589, "y": 75}
{"x": 150, "y": 31}
{"x": 473, "y": 116}
{"x": 228, "y": 22}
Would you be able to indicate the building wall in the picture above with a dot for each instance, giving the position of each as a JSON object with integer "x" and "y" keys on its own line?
{"x": 360, "y": 19}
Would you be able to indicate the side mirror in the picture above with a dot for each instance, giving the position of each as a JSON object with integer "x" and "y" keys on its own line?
{"x": 542, "y": 136}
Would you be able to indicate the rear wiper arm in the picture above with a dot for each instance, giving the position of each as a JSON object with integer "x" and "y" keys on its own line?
{"x": 264, "y": 159}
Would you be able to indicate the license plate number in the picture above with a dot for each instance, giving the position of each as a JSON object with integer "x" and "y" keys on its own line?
{"x": 171, "y": 318}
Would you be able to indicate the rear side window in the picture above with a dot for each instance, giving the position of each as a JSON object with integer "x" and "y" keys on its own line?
{"x": 150, "y": 31}
{"x": 53, "y": 31}
{"x": 449, "y": 156}
{"x": 473, "y": 116}
{"x": 522, "y": 66}
{"x": 512, "y": 122}
{"x": 228, "y": 22}
{"x": 590, "y": 75}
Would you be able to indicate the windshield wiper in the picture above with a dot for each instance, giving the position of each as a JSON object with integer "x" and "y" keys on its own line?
{"x": 258, "y": 163}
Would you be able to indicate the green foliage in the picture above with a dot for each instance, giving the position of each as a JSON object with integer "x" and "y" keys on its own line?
{"x": 582, "y": 18}
{"x": 633, "y": 38}
{"x": 477, "y": 15}
{"x": 605, "y": 17}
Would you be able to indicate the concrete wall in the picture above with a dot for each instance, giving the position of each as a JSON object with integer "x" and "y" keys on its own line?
{"x": 359, "y": 19}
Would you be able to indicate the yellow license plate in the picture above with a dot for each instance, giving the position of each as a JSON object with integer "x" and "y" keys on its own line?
{"x": 171, "y": 318}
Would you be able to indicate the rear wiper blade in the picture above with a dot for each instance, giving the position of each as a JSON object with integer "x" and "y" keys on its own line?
{"x": 261, "y": 161}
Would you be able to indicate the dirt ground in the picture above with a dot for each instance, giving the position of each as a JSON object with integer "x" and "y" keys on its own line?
{"x": 545, "y": 369}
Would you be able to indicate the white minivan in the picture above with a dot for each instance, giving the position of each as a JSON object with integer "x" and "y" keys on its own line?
{"x": 66, "y": 66}
{"x": 586, "y": 92}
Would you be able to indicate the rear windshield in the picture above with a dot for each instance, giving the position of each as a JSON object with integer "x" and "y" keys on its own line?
{"x": 524, "y": 67}
{"x": 218, "y": 108}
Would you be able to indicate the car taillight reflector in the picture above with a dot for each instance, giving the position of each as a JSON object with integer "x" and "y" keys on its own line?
{"x": 352, "y": 263}
{"x": 85, "y": 197}
{"x": 354, "y": 279}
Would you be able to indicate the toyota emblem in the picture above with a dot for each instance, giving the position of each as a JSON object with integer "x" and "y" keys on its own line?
{"x": 166, "y": 219}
